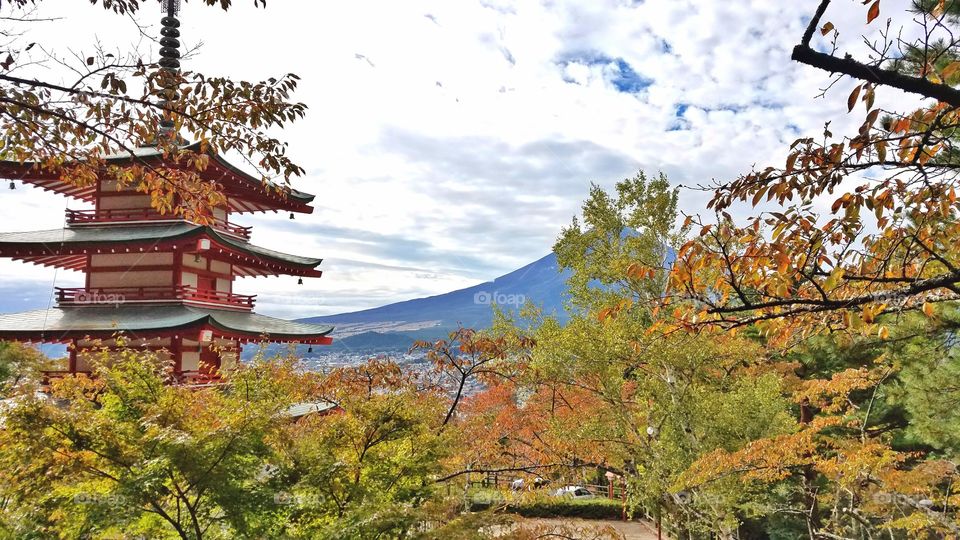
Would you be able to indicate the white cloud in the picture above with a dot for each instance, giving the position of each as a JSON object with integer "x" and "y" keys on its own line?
{"x": 449, "y": 141}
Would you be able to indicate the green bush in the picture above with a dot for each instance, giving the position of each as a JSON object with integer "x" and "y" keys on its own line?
{"x": 599, "y": 508}
{"x": 539, "y": 504}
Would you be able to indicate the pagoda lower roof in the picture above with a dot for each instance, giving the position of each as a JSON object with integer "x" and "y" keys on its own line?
{"x": 245, "y": 193}
{"x": 69, "y": 247}
{"x": 67, "y": 323}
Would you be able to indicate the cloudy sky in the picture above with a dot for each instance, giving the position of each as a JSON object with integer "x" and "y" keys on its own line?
{"x": 449, "y": 141}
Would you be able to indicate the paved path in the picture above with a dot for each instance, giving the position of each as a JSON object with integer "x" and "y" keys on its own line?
{"x": 631, "y": 530}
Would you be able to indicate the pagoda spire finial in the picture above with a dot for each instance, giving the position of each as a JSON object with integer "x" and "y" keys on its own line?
{"x": 169, "y": 63}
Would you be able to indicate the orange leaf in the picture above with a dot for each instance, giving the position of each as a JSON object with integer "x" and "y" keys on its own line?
{"x": 792, "y": 161}
{"x": 826, "y": 28}
{"x": 837, "y": 204}
{"x": 928, "y": 309}
{"x": 852, "y": 100}
{"x": 873, "y": 12}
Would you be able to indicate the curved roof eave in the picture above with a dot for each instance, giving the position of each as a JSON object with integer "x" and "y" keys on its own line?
{"x": 148, "y": 152}
{"x": 59, "y": 324}
{"x": 92, "y": 236}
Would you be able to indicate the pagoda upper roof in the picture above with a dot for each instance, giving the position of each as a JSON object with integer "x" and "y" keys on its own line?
{"x": 69, "y": 247}
{"x": 64, "y": 323}
{"x": 245, "y": 193}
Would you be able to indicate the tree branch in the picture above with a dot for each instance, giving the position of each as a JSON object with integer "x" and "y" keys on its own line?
{"x": 848, "y": 66}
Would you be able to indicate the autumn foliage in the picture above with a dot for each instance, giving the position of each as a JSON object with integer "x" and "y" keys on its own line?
{"x": 111, "y": 104}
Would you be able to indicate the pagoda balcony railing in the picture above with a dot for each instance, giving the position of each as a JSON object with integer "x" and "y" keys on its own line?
{"x": 108, "y": 296}
{"x": 188, "y": 378}
{"x": 129, "y": 215}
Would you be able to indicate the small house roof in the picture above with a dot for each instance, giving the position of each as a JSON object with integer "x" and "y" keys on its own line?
{"x": 298, "y": 410}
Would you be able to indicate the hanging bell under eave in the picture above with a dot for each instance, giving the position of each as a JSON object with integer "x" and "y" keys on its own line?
{"x": 13, "y": 185}
{"x": 291, "y": 215}
{"x": 299, "y": 281}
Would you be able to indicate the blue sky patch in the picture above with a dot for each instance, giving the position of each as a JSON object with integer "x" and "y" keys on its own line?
{"x": 616, "y": 70}
{"x": 628, "y": 79}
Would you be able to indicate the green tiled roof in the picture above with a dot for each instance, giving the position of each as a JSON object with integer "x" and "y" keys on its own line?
{"x": 30, "y": 171}
{"x": 265, "y": 252}
{"x": 58, "y": 323}
{"x": 124, "y": 234}
{"x": 84, "y": 235}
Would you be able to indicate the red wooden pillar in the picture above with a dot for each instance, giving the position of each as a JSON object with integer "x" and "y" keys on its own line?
{"x": 72, "y": 363}
{"x": 176, "y": 349}
{"x": 177, "y": 267}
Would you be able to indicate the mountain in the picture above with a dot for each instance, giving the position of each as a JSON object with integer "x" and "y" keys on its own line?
{"x": 540, "y": 282}
{"x": 373, "y": 341}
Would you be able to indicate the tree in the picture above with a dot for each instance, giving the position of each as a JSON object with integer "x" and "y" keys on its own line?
{"x": 865, "y": 460}
{"x": 19, "y": 364}
{"x": 607, "y": 391}
{"x": 66, "y": 112}
{"x": 469, "y": 358}
{"x": 367, "y": 470}
{"x": 625, "y": 245}
{"x": 888, "y": 244}
{"x": 723, "y": 432}
{"x": 128, "y": 451}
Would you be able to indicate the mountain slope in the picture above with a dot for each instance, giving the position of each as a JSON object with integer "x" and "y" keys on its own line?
{"x": 540, "y": 282}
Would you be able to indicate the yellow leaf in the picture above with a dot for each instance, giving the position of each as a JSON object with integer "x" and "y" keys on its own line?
{"x": 835, "y": 276}
{"x": 928, "y": 309}
{"x": 884, "y": 333}
{"x": 950, "y": 70}
{"x": 881, "y": 151}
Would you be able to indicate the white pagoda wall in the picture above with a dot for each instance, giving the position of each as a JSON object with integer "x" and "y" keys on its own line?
{"x": 190, "y": 261}
{"x": 130, "y": 276}
{"x": 88, "y": 350}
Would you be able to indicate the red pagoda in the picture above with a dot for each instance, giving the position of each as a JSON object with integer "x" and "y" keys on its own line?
{"x": 164, "y": 282}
